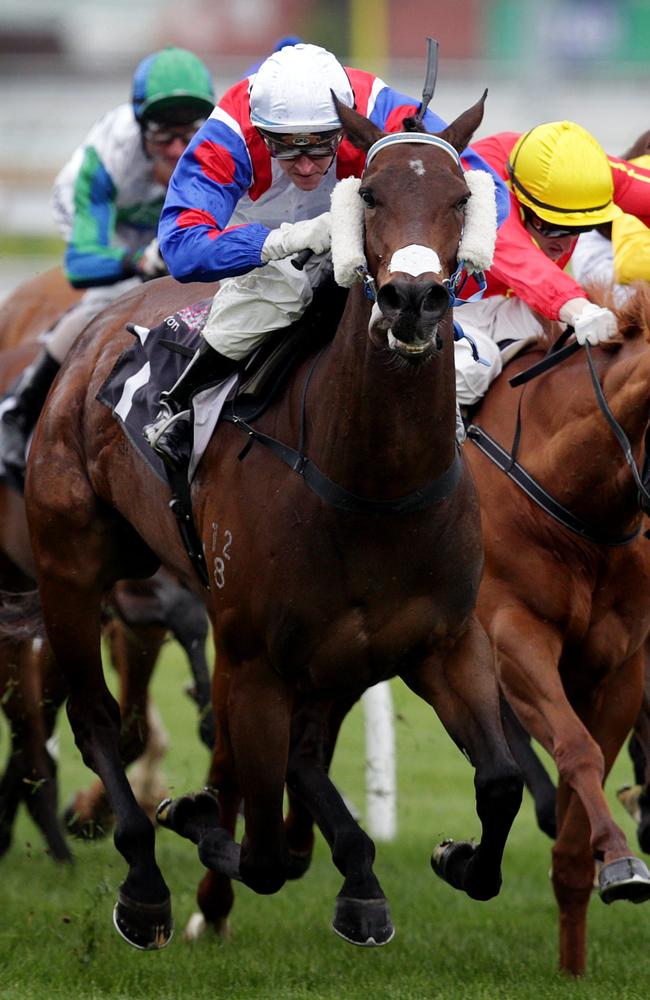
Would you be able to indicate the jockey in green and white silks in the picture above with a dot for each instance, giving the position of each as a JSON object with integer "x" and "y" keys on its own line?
{"x": 107, "y": 200}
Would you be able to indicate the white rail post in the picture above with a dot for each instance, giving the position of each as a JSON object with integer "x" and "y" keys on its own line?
{"x": 381, "y": 779}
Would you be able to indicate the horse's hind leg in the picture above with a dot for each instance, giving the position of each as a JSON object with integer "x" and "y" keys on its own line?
{"x": 536, "y": 777}
{"x": 76, "y": 547}
{"x": 463, "y": 691}
{"x": 361, "y": 915}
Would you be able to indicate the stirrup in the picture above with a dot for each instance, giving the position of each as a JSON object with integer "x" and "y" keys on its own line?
{"x": 165, "y": 419}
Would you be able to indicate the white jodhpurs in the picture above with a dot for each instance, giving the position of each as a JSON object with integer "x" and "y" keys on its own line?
{"x": 489, "y": 322}
{"x": 248, "y": 308}
{"x": 65, "y": 332}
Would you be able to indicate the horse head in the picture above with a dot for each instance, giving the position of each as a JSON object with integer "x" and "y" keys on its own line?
{"x": 414, "y": 196}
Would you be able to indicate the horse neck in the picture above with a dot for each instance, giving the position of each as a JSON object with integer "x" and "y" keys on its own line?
{"x": 601, "y": 483}
{"x": 376, "y": 426}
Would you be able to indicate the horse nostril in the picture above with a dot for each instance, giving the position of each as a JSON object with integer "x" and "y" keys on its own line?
{"x": 436, "y": 300}
{"x": 390, "y": 299}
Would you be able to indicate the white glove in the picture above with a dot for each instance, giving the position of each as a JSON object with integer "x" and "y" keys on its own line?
{"x": 292, "y": 237}
{"x": 151, "y": 264}
{"x": 592, "y": 324}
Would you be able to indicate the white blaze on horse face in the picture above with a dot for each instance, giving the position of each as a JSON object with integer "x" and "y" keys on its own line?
{"x": 414, "y": 260}
{"x": 417, "y": 166}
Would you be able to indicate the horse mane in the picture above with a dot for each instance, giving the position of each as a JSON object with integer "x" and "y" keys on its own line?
{"x": 638, "y": 148}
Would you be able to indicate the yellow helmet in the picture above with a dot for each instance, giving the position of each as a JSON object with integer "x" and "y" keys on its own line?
{"x": 562, "y": 173}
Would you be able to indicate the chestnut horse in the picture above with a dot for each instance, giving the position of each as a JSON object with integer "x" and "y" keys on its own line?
{"x": 566, "y": 598}
{"x": 312, "y": 601}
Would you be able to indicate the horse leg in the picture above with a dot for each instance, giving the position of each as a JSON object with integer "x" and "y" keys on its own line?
{"x": 187, "y": 620}
{"x": 636, "y": 798}
{"x": 608, "y": 718}
{"x": 32, "y": 699}
{"x": 254, "y": 724}
{"x": 134, "y": 652}
{"x": 361, "y": 915}
{"x": 215, "y": 894}
{"x": 536, "y": 777}
{"x": 463, "y": 691}
{"x": 80, "y": 549}
{"x": 535, "y": 691}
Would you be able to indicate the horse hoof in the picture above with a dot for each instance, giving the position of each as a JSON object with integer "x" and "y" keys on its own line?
{"x": 364, "y": 922}
{"x": 189, "y": 815}
{"x": 146, "y": 926}
{"x": 299, "y": 863}
{"x": 625, "y": 878}
{"x": 449, "y": 860}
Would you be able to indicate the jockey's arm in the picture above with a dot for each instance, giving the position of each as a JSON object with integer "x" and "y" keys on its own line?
{"x": 90, "y": 257}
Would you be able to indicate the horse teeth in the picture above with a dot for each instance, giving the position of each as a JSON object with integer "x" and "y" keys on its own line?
{"x": 396, "y": 344}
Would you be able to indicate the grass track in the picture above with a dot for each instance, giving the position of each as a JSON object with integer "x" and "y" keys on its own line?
{"x": 57, "y": 939}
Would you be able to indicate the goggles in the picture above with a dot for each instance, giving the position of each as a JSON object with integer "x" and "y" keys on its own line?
{"x": 549, "y": 230}
{"x": 164, "y": 135}
{"x": 291, "y": 145}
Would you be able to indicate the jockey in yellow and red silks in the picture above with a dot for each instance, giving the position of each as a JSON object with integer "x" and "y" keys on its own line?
{"x": 562, "y": 183}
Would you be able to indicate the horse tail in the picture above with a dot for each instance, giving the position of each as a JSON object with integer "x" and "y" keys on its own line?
{"x": 21, "y": 616}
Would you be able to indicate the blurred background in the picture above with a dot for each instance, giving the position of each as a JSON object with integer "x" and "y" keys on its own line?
{"x": 64, "y": 62}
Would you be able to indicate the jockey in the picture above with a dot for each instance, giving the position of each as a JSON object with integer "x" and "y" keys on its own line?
{"x": 107, "y": 201}
{"x": 562, "y": 183}
{"x": 253, "y": 189}
{"x": 618, "y": 252}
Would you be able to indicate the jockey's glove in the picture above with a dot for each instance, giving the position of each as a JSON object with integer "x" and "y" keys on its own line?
{"x": 149, "y": 263}
{"x": 592, "y": 324}
{"x": 292, "y": 237}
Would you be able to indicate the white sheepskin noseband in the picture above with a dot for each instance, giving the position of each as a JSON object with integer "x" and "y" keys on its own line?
{"x": 476, "y": 248}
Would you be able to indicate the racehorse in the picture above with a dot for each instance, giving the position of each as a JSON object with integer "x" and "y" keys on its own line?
{"x": 142, "y": 616}
{"x": 313, "y": 599}
{"x": 565, "y": 595}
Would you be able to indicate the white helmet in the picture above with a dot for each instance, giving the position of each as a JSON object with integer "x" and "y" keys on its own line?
{"x": 291, "y": 91}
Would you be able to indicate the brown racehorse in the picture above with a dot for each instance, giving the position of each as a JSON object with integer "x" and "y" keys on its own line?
{"x": 142, "y": 615}
{"x": 568, "y": 610}
{"x": 312, "y": 601}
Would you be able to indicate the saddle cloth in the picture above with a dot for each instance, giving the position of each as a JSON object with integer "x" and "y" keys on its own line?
{"x": 154, "y": 362}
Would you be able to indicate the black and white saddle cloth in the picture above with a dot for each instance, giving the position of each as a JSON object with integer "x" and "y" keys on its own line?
{"x": 154, "y": 362}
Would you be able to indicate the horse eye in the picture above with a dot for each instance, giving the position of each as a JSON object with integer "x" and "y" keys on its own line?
{"x": 461, "y": 204}
{"x": 368, "y": 197}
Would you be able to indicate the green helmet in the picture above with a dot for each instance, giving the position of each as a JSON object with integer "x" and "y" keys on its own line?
{"x": 172, "y": 86}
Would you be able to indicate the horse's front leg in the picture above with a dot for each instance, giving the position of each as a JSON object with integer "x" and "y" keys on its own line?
{"x": 530, "y": 676}
{"x": 361, "y": 915}
{"x": 462, "y": 689}
{"x": 258, "y": 722}
{"x": 71, "y": 609}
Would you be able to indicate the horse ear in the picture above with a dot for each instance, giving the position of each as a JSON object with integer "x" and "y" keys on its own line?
{"x": 461, "y": 130}
{"x": 361, "y": 132}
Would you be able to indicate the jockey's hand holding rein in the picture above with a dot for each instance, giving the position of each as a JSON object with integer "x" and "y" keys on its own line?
{"x": 592, "y": 324}
{"x": 292, "y": 237}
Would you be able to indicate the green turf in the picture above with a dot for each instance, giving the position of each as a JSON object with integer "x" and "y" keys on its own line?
{"x": 57, "y": 939}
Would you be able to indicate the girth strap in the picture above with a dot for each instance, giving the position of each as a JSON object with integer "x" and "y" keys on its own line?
{"x": 337, "y": 496}
{"x": 537, "y": 493}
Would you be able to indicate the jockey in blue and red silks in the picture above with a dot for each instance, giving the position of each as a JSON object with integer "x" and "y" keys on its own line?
{"x": 253, "y": 189}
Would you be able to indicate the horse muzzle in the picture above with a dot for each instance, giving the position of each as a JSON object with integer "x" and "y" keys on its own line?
{"x": 411, "y": 312}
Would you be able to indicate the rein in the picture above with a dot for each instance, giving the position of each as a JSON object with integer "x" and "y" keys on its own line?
{"x": 508, "y": 462}
{"x": 439, "y": 489}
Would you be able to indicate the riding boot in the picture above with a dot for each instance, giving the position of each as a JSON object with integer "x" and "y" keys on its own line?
{"x": 169, "y": 432}
{"x": 19, "y": 419}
